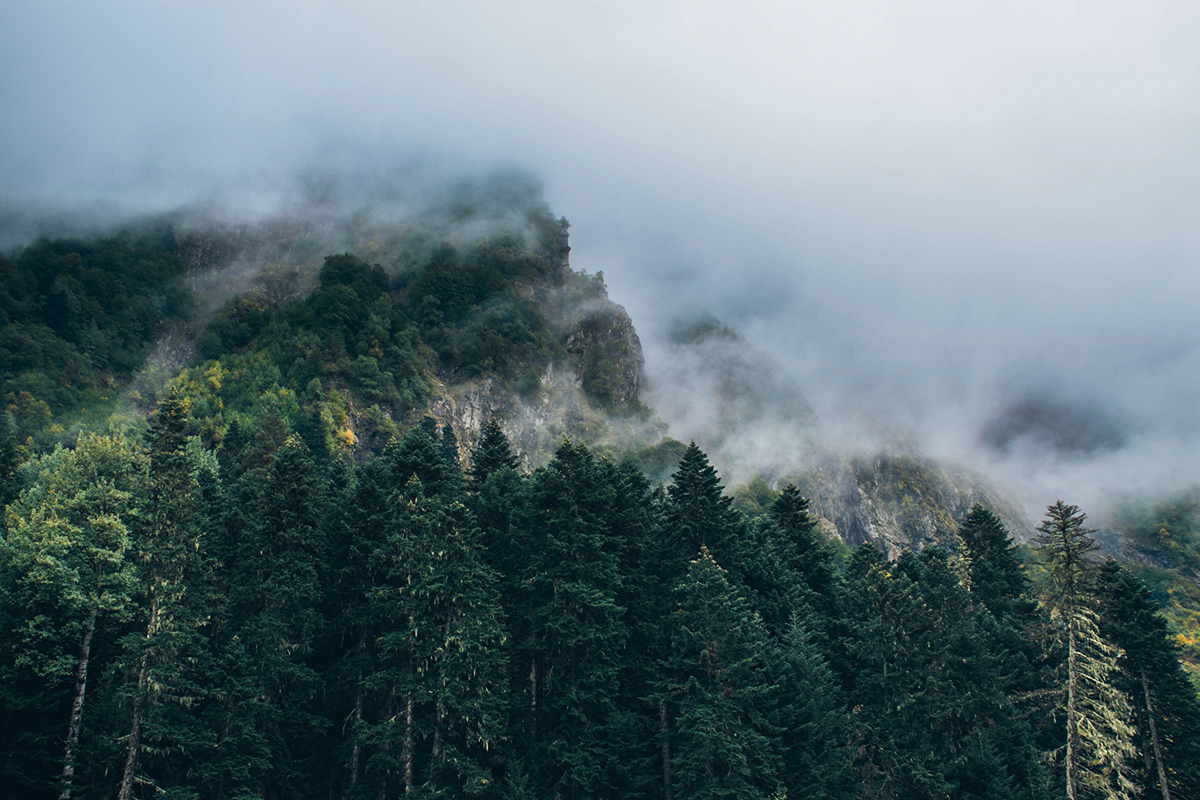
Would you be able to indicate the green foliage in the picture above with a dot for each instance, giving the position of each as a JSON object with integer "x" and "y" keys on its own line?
{"x": 699, "y": 514}
{"x": 290, "y": 589}
{"x": 70, "y": 567}
{"x": 718, "y": 691}
{"x": 76, "y": 320}
{"x": 754, "y": 499}
{"x": 659, "y": 461}
{"x": 1166, "y": 704}
{"x": 1099, "y": 729}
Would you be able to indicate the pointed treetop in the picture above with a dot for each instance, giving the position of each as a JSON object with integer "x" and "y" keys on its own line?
{"x": 1067, "y": 546}
{"x": 167, "y": 425}
{"x": 791, "y": 509}
{"x": 493, "y": 453}
{"x": 418, "y": 454}
{"x": 696, "y": 480}
{"x": 993, "y": 569}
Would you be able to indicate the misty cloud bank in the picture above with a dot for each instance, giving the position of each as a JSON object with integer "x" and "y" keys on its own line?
{"x": 966, "y": 231}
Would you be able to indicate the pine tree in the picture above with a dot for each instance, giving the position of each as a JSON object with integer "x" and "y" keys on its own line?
{"x": 440, "y": 657}
{"x": 1002, "y": 602}
{"x": 418, "y": 455}
{"x": 793, "y": 572}
{"x": 997, "y": 578}
{"x": 1098, "y": 740}
{"x": 493, "y": 453}
{"x": 360, "y": 521}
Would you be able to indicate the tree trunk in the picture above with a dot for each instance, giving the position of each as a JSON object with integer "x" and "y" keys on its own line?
{"x": 435, "y": 766}
{"x": 389, "y": 713}
{"x": 85, "y": 649}
{"x": 1162, "y": 770}
{"x": 533, "y": 686}
{"x": 356, "y": 730}
{"x": 406, "y": 754}
{"x": 139, "y": 707}
{"x": 1072, "y": 719}
{"x": 666, "y": 748}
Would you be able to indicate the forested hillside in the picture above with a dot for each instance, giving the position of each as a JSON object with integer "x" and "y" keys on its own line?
{"x": 287, "y": 521}
{"x": 187, "y": 623}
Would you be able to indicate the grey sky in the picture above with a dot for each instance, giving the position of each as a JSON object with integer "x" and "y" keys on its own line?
{"x": 922, "y": 211}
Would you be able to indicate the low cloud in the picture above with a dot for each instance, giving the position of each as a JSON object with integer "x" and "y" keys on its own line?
{"x": 969, "y": 229}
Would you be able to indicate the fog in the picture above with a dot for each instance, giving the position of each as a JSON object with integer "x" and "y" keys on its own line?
{"x": 965, "y": 229}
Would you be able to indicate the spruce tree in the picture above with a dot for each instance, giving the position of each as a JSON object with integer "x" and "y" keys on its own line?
{"x": 360, "y": 521}
{"x": 699, "y": 514}
{"x": 1002, "y": 602}
{"x": 1098, "y": 735}
{"x": 493, "y": 453}
{"x": 997, "y": 578}
{"x": 717, "y": 690}
{"x": 276, "y": 574}
{"x": 418, "y": 455}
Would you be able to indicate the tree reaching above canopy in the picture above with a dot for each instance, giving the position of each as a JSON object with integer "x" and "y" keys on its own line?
{"x": 1099, "y": 731}
{"x": 699, "y": 514}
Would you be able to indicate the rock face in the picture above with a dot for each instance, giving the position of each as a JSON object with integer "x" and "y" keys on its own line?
{"x": 608, "y": 352}
{"x": 901, "y": 502}
{"x": 582, "y": 397}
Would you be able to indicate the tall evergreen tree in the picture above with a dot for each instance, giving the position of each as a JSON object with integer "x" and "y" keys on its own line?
{"x": 570, "y": 632}
{"x": 718, "y": 693}
{"x": 699, "y": 514}
{"x": 276, "y": 573}
{"x": 997, "y": 577}
{"x": 1099, "y": 733}
{"x": 493, "y": 453}
{"x": 1168, "y": 709}
{"x": 418, "y": 455}
{"x": 458, "y": 637}
{"x": 1002, "y": 601}
{"x": 360, "y": 522}
{"x": 173, "y": 577}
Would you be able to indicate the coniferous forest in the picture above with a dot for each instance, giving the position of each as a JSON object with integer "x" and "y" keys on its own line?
{"x": 288, "y": 580}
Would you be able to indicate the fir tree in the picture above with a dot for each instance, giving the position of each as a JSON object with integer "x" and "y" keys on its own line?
{"x": 360, "y": 521}
{"x": 570, "y": 632}
{"x": 275, "y": 586}
{"x": 418, "y": 455}
{"x": 997, "y": 578}
{"x": 699, "y": 514}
